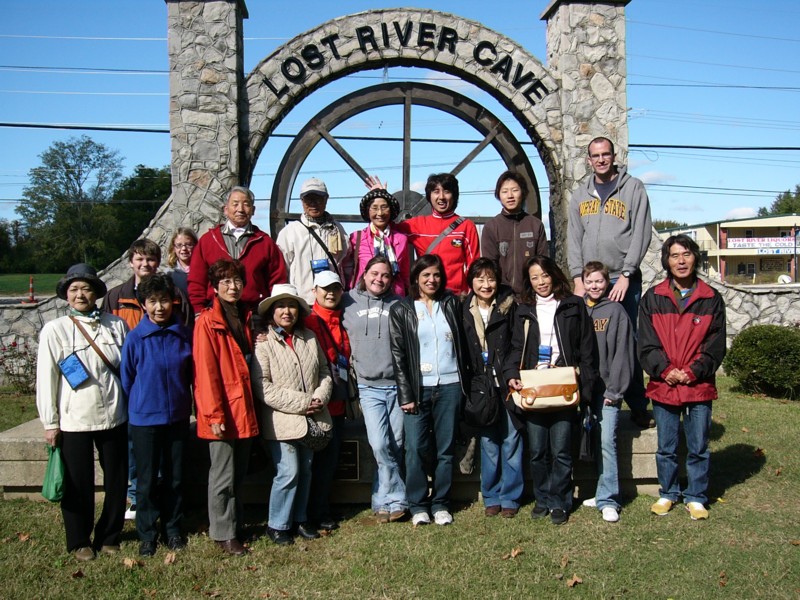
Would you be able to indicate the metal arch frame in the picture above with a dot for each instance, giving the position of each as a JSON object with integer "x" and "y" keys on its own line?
{"x": 407, "y": 94}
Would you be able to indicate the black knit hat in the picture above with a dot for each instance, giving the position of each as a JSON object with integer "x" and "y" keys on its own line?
{"x": 81, "y": 272}
{"x": 371, "y": 196}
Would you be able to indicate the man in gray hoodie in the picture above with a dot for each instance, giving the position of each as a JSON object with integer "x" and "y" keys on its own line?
{"x": 609, "y": 221}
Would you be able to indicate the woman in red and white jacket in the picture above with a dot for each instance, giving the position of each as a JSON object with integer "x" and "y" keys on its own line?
{"x": 681, "y": 346}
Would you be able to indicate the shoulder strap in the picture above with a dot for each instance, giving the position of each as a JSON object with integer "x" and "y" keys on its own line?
{"x": 324, "y": 247}
{"x": 524, "y": 342}
{"x": 96, "y": 348}
{"x": 445, "y": 232}
{"x": 355, "y": 262}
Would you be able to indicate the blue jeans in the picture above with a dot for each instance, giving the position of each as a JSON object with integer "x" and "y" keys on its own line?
{"x": 696, "y": 427}
{"x": 384, "y": 421}
{"x": 502, "y": 477}
{"x": 131, "y": 469}
{"x": 634, "y": 396}
{"x": 288, "y": 498}
{"x": 437, "y": 411}
{"x": 550, "y": 441}
{"x": 607, "y": 493}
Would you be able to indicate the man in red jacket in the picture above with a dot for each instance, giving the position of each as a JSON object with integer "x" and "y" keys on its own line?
{"x": 681, "y": 346}
{"x": 237, "y": 239}
{"x": 454, "y": 239}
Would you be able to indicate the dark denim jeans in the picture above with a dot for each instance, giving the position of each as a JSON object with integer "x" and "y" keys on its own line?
{"x": 436, "y": 418}
{"x": 550, "y": 442}
{"x": 696, "y": 428}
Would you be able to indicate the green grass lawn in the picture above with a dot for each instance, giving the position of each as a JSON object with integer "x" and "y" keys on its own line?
{"x": 44, "y": 284}
{"x": 749, "y": 547}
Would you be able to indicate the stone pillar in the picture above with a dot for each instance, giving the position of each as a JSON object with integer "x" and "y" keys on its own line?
{"x": 586, "y": 52}
{"x": 205, "y": 45}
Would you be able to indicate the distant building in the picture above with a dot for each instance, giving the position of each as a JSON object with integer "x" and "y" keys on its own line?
{"x": 758, "y": 250}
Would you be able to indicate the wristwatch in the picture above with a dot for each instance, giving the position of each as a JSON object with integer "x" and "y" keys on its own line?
{"x": 626, "y": 274}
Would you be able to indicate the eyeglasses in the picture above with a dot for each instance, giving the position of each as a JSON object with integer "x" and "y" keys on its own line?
{"x": 605, "y": 155}
{"x": 231, "y": 282}
{"x": 182, "y": 246}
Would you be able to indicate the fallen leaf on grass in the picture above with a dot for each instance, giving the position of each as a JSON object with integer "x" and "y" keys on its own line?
{"x": 150, "y": 593}
{"x": 759, "y": 453}
{"x": 325, "y": 532}
{"x": 131, "y": 563}
{"x": 513, "y": 554}
{"x": 564, "y": 561}
{"x": 23, "y": 537}
{"x": 214, "y": 594}
{"x": 265, "y": 595}
{"x": 778, "y": 472}
{"x": 573, "y": 581}
{"x": 77, "y": 574}
{"x": 559, "y": 576}
{"x": 745, "y": 430}
{"x": 721, "y": 500}
{"x": 795, "y": 542}
{"x": 251, "y": 568}
{"x": 170, "y": 558}
{"x": 723, "y": 579}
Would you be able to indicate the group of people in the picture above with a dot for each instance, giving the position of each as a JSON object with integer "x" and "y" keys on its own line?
{"x": 278, "y": 339}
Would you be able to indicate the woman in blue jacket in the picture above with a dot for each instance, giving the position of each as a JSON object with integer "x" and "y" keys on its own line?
{"x": 157, "y": 373}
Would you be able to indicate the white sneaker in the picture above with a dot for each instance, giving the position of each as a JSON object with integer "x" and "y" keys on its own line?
{"x": 420, "y": 518}
{"x": 590, "y": 503}
{"x": 130, "y": 513}
{"x": 610, "y": 514}
{"x": 442, "y": 517}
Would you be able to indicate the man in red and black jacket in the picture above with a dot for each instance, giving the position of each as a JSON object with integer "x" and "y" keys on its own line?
{"x": 681, "y": 346}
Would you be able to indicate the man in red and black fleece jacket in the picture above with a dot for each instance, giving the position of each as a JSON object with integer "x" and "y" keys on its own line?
{"x": 459, "y": 247}
{"x": 681, "y": 346}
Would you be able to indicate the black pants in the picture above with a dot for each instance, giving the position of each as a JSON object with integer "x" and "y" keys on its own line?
{"x": 77, "y": 505}
{"x": 159, "y": 447}
{"x": 323, "y": 472}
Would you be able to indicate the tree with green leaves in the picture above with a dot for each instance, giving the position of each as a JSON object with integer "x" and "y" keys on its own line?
{"x": 786, "y": 203}
{"x": 65, "y": 207}
{"x": 660, "y": 224}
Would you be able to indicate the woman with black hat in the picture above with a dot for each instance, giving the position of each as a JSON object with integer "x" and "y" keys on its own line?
{"x": 82, "y": 407}
{"x": 379, "y": 209}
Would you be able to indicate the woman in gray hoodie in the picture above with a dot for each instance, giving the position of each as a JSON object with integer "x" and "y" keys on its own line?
{"x": 614, "y": 333}
{"x": 366, "y": 320}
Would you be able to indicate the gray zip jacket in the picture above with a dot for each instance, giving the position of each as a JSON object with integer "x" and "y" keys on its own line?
{"x": 612, "y": 327}
{"x": 616, "y": 232}
{"x": 366, "y": 319}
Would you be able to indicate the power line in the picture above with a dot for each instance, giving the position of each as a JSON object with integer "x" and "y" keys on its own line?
{"x": 715, "y": 31}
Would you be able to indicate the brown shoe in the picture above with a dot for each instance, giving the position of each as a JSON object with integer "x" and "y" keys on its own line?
{"x": 84, "y": 554}
{"x": 509, "y": 513}
{"x": 491, "y": 511}
{"x": 233, "y": 547}
{"x": 396, "y": 515}
{"x": 109, "y": 549}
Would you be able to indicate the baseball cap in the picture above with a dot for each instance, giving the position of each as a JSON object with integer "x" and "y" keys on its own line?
{"x": 313, "y": 186}
{"x": 326, "y": 278}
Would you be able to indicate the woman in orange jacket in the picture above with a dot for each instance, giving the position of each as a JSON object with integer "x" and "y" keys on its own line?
{"x": 223, "y": 345}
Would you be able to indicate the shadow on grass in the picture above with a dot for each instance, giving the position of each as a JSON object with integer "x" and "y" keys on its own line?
{"x": 717, "y": 430}
{"x": 733, "y": 465}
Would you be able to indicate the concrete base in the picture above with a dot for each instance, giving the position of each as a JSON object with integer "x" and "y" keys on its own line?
{"x": 23, "y": 457}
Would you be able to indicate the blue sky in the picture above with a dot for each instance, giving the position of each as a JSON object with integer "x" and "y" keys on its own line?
{"x": 703, "y": 72}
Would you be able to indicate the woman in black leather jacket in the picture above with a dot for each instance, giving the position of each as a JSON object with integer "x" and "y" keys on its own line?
{"x": 427, "y": 343}
{"x": 560, "y": 332}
